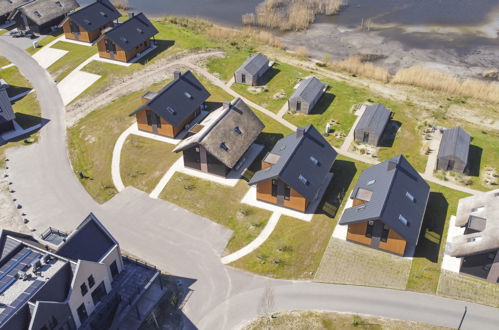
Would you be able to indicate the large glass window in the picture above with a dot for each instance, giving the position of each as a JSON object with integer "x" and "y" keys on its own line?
{"x": 369, "y": 229}
{"x": 274, "y": 187}
{"x": 287, "y": 192}
{"x": 385, "y": 233}
{"x": 82, "y": 313}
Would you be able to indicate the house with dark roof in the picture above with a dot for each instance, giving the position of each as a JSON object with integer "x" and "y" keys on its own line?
{"x": 87, "y": 23}
{"x": 7, "y": 114}
{"x": 219, "y": 142}
{"x": 83, "y": 282}
{"x": 389, "y": 204}
{"x": 478, "y": 246}
{"x": 168, "y": 112}
{"x": 9, "y": 6}
{"x": 295, "y": 172}
{"x": 306, "y": 95}
{"x": 125, "y": 41}
{"x": 252, "y": 70}
{"x": 454, "y": 150}
{"x": 372, "y": 124}
{"x": 42, "y": 15}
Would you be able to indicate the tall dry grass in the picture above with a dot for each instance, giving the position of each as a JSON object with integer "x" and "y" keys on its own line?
{"x": 225, "y": 34}
{"x": 288, "y": 15}
{"x": 121, "y": 4}
{"x": 355, "y": 65}
{"x": 448, "y": 83}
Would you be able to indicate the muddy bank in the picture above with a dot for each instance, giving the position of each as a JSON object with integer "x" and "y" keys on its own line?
{"x": 461, "y": 54}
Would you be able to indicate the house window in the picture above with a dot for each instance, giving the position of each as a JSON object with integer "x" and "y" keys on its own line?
{"x": 287, "y": 193}
{"x": 370, "y": 183}
{"x": 188, "y": 95}
{"x": 114, "y": 269}
{"x": 238, "y": 130}
{"x": 37, "y": 13}
{"x": 91, "y": 281}
{"x": 298, "y": 106}
{"x": 99, "y": 293}
{"x": 82, "y": 313}
{"x": 243, "y": 78}
{"x": 303, "y": 179}
{"x": 403, "y": 220}
{"x": 409, "y": 196}
{"x": 110, "y": 46}
{"x": 75, "y": 28}
{"x": 369, "y": 229}
{"x": 385, "y": 233}
{"x": 224, "y": 146}
{"x": 274, "y": 187}
{"x": 84, "y": 289}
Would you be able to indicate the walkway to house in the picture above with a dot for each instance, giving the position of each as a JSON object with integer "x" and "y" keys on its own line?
{"x": 449, "y": 263}
{"x": 433, "y": 146}
{"x": 351, "y": 135}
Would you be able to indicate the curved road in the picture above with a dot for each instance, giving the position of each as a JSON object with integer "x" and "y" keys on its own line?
{"x": 186, "y": 245}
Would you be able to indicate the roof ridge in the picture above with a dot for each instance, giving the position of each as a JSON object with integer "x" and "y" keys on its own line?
{"x": 215, "y": 122}
{"x": 294, "y": 151}
{"x": 128, "y": 20}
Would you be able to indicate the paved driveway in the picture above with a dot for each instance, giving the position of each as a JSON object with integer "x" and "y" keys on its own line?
{"x": 187, "y": 245}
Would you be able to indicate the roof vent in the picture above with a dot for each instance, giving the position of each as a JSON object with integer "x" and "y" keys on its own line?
{"x": 58, "y": 4}
{"x": 176, "y": 75}
{"x": 224, "y": 146}
{"x": 238, "y": 130}
{"x": 125, "y": 40}
{"x": 303, "y": 179}
{"x": 37, "y": 13}
{"x": 370, "y": 183}
{"x": 87, "y": 21}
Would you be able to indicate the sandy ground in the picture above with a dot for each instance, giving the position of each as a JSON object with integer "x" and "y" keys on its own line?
{"x": 395, "y": 47}
{"x": 10, "y": 218}
{"x": 151, "y": 74}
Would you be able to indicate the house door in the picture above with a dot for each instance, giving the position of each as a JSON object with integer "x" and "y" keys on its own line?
{"x": 243, "y": 78}
{"x": 298, "y": 106}
{"x": 153, "y": 120}
{"x": 75, "y": 30}
{"x": 450, "y": 165}
{"x": 366, "y": 137}
{"x": 280, "y": 193}
{"x": 110, "y": 48}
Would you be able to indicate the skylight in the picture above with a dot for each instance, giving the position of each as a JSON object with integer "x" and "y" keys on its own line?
{"x": 409, "y": 196}
{"x": 139, "y": 30}
{"x": 477, "y": 209}
{"x": 371, "y": 182}
{"x": 37, "y": 13}
{"x": 124, "y": 39}
{"x": 171, "y": 110}
{"x": 103, "y": 13}
{"x": 314, "y": 160}
{"x": 237, "y": 130}
{"x": 86, "y": 21}
{"x": 474, "y": 239}
{"x": 403, "y": 220}
{"x": 224, "y": 146}
{"x": 188, "y": 95}
{"x": 58, "y": 4}
{"x": 303, "y": 179}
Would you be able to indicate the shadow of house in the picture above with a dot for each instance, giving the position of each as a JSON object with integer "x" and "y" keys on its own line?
{"x": 324, "y": 102}
{"x": 13, "y": 91}
{"x": 344, "y": 172}
{"x": 390, "y": 133}
{"x": 267, "y": 76}
{"x": 210, "y": 106}
{"x": 26, "y": 122}
{"x": 432, "y": 229}
{"x": 474, "y": 160}
{"x": 161, "y": 46}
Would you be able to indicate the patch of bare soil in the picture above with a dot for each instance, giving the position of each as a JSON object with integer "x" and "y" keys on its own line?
{"x": 151, "y": 74}
{"x": 10, "y": 218}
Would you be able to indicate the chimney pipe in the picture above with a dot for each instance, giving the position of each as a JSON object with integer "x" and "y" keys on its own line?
{"x": 300, "y": 131}
{"x": 131, "y": 14}
{"x": 176, "y": 75}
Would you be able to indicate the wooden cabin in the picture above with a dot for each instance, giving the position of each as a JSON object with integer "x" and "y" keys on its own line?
{"x": 87, "y": 24}
{"x": 295, "y": 171}
{"x": 167, "y": 112}
{"x": 127, "y": 40}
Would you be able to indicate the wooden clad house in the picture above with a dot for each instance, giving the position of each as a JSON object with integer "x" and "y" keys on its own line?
{"x": 252, "y": 70}
{"x": 88, "y": 23}
{"x": 307, "y": 95}
{"x": 389, "y": 203}
{"x": 478, "y": 246}
{"x": 219, "y": 142}
{"x": 295, "y": 171}
{"x": 372, "y": 124}
{"x": 42, "y": 16}
{"x": 7, "y": 114}
{"x": 167, "y": 112}
{"x": 125, "y": 41}
{"x": 454, "y": 150}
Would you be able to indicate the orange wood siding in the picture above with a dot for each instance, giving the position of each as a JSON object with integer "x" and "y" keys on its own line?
{"x": 264, "y": 192}
{"x": 358, "y": 202}
{"x": 121, "y": 55}
{"x": 265, "y": 165}
{"x": 296, "y": 201}
{"x": 395, "y": 243}
{"x": 357, "y": 233}
{"x": 142, "y": 121}
{"x": 85, "y": 36}
{"x": 166, "y": 128}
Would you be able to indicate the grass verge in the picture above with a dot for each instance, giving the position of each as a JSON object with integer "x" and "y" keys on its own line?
{"x": 18, "y": 83}
{"x": 3, "y": 61}
{"x": 76, "y": 55}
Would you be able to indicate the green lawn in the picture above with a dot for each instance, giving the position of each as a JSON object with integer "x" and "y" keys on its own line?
{"x": 144, "y": 161}
{"x": 425, "y": 271}
{"x": 226, "y": 66}
{"x": 219, "y": 203}
{"x": 3, "y": 61}
{"x": 3, "y": 31}
{"x": 18, "y": 83}
{"x": 281, "y": 78}
{"x": 295, "y": 248}
{"x": 41, "y": 43}
{"x": 76, "y": 55}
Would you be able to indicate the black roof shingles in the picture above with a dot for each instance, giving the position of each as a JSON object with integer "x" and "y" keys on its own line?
{"x": 132, "y": 32}
{"x": 178, "y": 100}
{"x": 296, "y": 154}
{"x": 95, "y": 15}
{"x": 390, "y": 183}
{"x": 89, "y": 242}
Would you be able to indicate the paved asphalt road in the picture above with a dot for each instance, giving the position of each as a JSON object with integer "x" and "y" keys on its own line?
{"x": 187, "y": 245}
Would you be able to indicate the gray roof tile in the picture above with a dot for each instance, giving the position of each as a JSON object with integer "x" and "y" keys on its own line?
{"x": 308, "y": 89}
{"x": 455, "y": 143}
{"x": 132, "y": 32}
{"x": 95, "y": 15}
